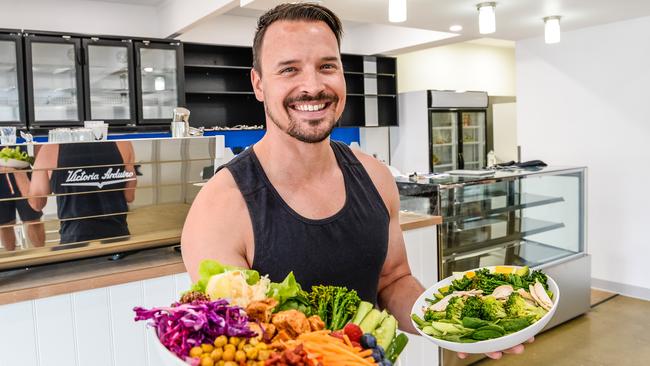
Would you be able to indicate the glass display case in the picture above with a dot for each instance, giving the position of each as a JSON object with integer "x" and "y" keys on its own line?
{"x": 512, "y": 217}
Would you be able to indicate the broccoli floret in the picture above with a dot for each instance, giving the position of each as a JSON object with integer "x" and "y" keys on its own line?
{"x": 516, "y": 307}
{"x": 492, "y": 309}
{"x": 431, "y": 316}
{"x": 472, "y": 308}
{"x": 455, "y": 308}
{"x": 486, "y": 281}
{"x": 460, "y": 284}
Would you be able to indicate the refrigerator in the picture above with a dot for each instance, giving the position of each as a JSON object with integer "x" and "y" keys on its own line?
{"x": 159, "y": 78}
{"x": 12, "y": 93}
{"x": 109, "y": 81}
{"x": 457, "y": 130}
{"x": 54, "y": 75}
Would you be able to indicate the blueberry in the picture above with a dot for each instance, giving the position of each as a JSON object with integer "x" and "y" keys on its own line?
{"x": 381, "y": 351}
{"x": 376, "y": 355}
{"x": 386, "y": 363}
{"x": 368, "y": 341}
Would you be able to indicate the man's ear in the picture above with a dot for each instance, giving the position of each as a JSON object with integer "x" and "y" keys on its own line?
{"x": 256, "y": 80}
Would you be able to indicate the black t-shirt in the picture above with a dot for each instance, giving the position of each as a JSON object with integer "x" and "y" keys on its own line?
{"x": 90, "y": 197}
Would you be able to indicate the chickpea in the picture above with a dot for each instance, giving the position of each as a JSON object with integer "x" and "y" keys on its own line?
{"x": 261, "y": 346}
{"x": 196, "y": 352}
{"x": 253, "y": 341}
{"x": 251, "y": 353}
{"x": 234, "y": 340}
{"x": 207, "y": 348}
{"x": 207, "y": 361}
{"x": 221, "y": 363}
{"x": 241, "y": 345}
{"x": 228, "y": 355}
{"x": 216, "y": 354}
{"x": 230, "y": 363}
{"x": 240, "y": 356}
{"x": 229, "y": 347}
{"x": 221, "y": 341}
{"x": 263, "y": 355}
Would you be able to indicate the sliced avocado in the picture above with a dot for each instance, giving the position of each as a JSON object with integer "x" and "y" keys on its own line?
{"x": 523, "y": 271}
{"x": 363, "y": 310}
{"x": 372, "y": 320}
{"x": 386, "y": 331}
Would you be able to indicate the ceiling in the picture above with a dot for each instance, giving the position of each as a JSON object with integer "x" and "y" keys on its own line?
{"x": 516, "y": 19}
{"x": 132, "y": 2}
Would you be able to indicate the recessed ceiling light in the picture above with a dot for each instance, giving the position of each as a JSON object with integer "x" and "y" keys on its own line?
{"x": 456, "y": 28}
{"x": 396, "y": 11}
{"x": 552, "y": 29}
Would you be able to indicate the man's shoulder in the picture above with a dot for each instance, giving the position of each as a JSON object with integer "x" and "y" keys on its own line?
{"x": 221, "y": 189}
{"x": 380, "y": 176}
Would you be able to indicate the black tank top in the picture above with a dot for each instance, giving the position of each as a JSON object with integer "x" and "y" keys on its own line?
{"x": 347, "y": 249}
{"x": 103, "y": 181}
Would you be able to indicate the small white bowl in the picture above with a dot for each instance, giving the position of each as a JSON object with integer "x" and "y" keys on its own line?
{"x": 167, "y": 357}
{"x": 490, "y": 345}
{"x": 14, "y": 163}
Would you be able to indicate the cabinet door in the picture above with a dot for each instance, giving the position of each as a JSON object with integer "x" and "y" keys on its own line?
{"x": 473, "y": 139}
{"x": 12, "y": 99}
{"x": 159, "y": 79}
{"x": 109, "y": 81}
{"x": 54, "y": 86}
{"x": 442, "y": 141}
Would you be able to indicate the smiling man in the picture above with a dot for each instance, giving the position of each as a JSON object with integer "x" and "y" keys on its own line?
{"x": 297, "y": 201}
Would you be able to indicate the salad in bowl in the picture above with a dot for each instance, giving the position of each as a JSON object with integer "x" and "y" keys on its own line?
{"x": 233, "y": 317}
{"x": 487, "y": 309}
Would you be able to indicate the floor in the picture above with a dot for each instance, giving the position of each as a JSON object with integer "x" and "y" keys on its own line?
{"x": 614, "y": 332}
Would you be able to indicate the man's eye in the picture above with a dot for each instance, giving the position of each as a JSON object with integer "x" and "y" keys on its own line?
{"x": 287, "y": 70}
{"x": 328, "y": 67}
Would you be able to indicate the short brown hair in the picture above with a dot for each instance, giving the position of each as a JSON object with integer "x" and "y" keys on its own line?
{"x": 310, "y": 12}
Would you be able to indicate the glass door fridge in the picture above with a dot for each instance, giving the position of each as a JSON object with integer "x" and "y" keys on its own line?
{"x": 12, "y": 97}
{"x": 443, "y": 141}
{"x": 472, "y": 139}
{"x": 159, "y": 77}
{"x": 54, "y": 80}
{"x": 457, "y": 130}
{"x": 109, "y": 81}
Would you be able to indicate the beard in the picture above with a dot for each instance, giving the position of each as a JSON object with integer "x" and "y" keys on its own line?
{"x": 302, "y": 130}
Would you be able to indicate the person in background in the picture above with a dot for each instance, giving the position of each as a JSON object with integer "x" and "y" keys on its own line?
{"x": 93, "y": 182}
{"x": 12, "y": 201}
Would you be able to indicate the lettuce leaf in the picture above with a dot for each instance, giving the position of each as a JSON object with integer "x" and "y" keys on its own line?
{"x": 209, "y": 268}
{"x": 284, "y": 290}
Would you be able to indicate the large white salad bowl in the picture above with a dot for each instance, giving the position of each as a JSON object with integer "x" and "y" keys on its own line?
{"x": 490, "y": 345}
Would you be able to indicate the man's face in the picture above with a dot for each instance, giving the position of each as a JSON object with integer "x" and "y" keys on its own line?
{"x": 301, "y": 82}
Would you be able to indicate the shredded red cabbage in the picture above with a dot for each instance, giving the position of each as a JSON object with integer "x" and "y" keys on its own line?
{"x": 183, "y": 326}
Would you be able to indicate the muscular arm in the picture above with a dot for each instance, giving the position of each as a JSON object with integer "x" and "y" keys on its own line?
{"x": 218, "y": 226}
{"x": 398, "y": 289}
{"x": 39, "y": 186}
{"x": 128, "y": 156}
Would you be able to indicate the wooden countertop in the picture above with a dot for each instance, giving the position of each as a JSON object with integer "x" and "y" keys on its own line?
{"x": 91, "y": 273}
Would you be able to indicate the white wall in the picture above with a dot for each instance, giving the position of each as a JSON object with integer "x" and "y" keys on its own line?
{"x": 504, "y": 130}
{"x": 94, "y": 17}
{"x": 224, "y": 29}
{"x": 462, "y": 66}
{"x": 583, "y": 102}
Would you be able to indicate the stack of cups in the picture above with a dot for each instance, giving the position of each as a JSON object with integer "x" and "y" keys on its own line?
{"x": 99, "y": 129}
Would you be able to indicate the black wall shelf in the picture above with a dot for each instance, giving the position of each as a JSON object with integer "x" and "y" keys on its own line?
{"x": 219, "y": 93}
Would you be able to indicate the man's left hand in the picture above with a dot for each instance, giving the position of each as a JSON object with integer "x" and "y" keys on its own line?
{"x": 516, "y": 350}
